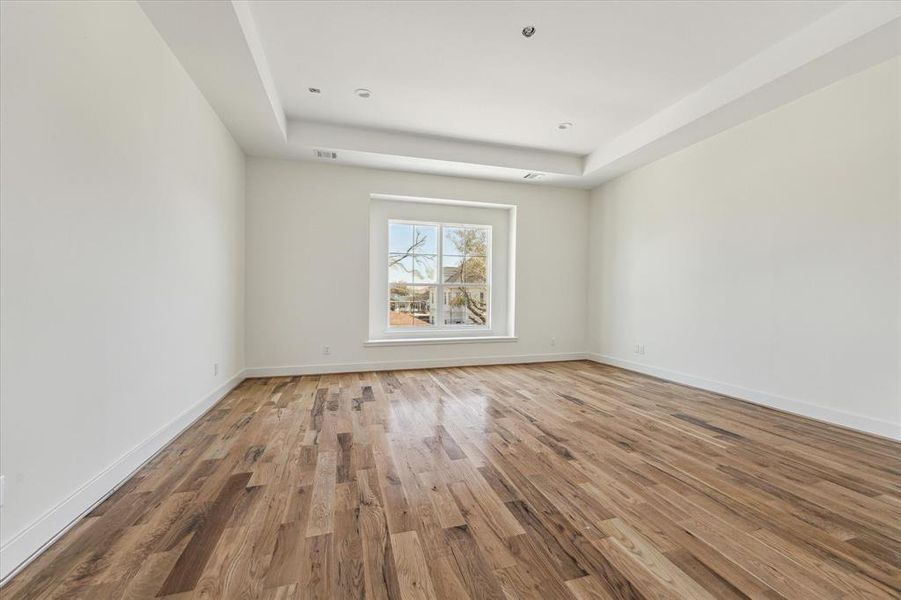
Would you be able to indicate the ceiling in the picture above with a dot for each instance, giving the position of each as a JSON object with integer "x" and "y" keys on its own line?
{"x": 457, "y": 89}
{"x": 464, "y": 70}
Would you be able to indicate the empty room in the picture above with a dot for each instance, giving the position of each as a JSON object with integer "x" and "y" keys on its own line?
{"x": 453, "y": 300}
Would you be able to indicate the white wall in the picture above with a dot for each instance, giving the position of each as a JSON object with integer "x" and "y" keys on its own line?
{"x": 308, "y": 268}
{"x": 764, "y": 262}
{"x": 121, "y": 257}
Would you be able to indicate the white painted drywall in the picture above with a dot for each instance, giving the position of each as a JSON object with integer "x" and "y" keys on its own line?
{"x": 764, "y": 262}
{"x": 121, "y": 256}
{"x": 308, "y": 267}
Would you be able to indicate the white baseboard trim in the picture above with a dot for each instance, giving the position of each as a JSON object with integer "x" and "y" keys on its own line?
{"x": 30, "y": 542}
{"x": 799, "y": 407}
{"x": 399, "y": 365}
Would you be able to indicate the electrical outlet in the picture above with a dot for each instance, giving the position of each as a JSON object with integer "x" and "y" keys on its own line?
{"x": 553, "y": 341}
{"x": 326, "y": 350}
{"x": 215, "y": 369}
{"x": 638, "y": 349}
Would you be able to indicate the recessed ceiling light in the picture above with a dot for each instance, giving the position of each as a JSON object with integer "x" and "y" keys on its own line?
{"x": 362, "y": 92}
{"x": 565, "y": 125}
{"x": 528, "y": 31}
{"x": 315, "y": 90}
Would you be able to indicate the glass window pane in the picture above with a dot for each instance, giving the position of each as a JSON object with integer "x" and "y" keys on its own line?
{"x": 452, "y": 269}
{"x": 466, "y": 241}
{"x": 477, "y": 242}
{"x": 400, "y": 238}
{"x": 400, "y": 268}
{"x": 453, "y": 241}
{"x": 411, "y": 306}
{"x": 475, "y": 270}
{"x": 426, "y": 239}
{"x": 424, "y": 269}
{"x": 465, "y": 305}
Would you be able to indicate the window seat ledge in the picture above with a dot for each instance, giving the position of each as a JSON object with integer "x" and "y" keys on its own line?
{"x": 440, "y": 340}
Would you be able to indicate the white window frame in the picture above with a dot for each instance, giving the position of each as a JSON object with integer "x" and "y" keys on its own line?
{"x": 440, "y": 284}
{"x": 502, "y": 269}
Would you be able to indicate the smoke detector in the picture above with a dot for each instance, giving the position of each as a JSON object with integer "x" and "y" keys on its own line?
{"x": 533, "y": 175}
{"x": 328, "y": 154}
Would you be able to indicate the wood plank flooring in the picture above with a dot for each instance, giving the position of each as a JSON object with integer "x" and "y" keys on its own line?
{"x": 560, "y": 480}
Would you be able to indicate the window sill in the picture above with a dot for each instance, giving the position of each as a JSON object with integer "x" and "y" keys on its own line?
{"x": 439, "y": 340}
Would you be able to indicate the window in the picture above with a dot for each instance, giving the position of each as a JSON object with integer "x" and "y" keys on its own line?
{"x": 438, "y": 275}
{"x": 440, "y": 271}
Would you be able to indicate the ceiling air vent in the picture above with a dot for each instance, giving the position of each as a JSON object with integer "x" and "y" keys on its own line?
{"x": 533, "y": 176}
{"x": 326, "y": 154}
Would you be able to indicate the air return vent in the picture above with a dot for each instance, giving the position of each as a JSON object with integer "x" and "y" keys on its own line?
{"x": 326, "y": 154}
{"x": 533, "y": 176}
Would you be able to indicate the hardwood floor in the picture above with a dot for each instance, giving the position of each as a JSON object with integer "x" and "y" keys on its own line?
{"x": 562, "y": 480}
